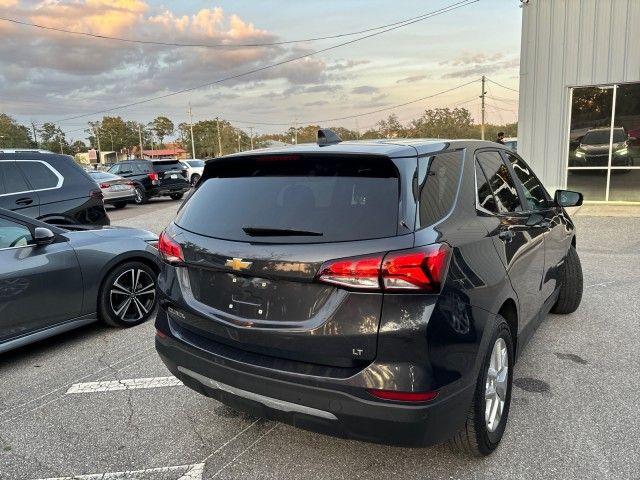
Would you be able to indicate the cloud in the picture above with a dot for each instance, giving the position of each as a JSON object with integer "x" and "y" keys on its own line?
{"x": 347, "y": 64}
{"x": 318, "y": 103}
{"x": 412, "y": 79}
{"x": 365, "y": 90}
{"x": 478, "y": 63}
{"x": 76, "y": 74}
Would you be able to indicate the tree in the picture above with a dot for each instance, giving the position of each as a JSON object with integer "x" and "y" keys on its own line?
{"x": 162, "y": 127}
{"x": 443, "y": 123}
{"x": 14, "y": 135}
{"x": 53, "y": 138}
{"x": 391, "y": 127}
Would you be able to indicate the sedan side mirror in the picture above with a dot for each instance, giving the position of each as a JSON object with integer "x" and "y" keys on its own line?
{"x": 567, "y": 198}
{"x": 43, "y": 236}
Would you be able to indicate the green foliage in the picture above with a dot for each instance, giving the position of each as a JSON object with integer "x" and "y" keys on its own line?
{"x": 14, "y": 135}
{"x": 51, "y": 137}
{"x": 162, "y": 127}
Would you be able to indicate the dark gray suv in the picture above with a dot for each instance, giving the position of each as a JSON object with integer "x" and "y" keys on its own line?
{"x": 378, "y": 290}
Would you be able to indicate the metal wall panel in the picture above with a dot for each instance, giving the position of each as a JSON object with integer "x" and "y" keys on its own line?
{"x": 569, "y": 43}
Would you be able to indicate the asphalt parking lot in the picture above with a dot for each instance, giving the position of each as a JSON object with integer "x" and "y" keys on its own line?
{"x": 575, "y": 411}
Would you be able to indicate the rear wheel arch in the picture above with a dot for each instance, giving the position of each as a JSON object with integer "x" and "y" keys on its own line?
{"x": 509, "y": 311}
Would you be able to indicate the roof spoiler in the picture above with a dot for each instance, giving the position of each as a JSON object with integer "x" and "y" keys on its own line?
{"x": 327, "y": 136}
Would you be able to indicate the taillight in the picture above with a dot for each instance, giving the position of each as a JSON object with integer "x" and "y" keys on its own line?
{"x": 153, "y": 176}
{"x": 104, "y": 185}
{"x": 169, "y": 250}
{"x": 96, "y": 194}
{"x": 131, "y": 183}
{"x": 403, "y": 396}
{"x": 362, "y": 273}
{"x": 420, "y": 270}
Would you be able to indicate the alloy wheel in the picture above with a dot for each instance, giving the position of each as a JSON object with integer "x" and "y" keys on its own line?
{"x": 132, "y": 295}
{"x": 137, "y": 195}
{"x": 496, "y": 386}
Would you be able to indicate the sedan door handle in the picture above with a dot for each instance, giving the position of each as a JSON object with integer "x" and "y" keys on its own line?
{"x": 506, "y": 235}
{"x": 24, "y": 201}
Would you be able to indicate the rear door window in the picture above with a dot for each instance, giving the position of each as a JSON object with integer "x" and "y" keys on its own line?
{"x": 536, "y": 196}
{"x": 331, "y": 198}
{"x": 38, "y": 175}
{"x": 439, "y": 188}
{"x": 499, "y": 181}
{"x": 14, "y": 181}
{"x": 167, "y": 166}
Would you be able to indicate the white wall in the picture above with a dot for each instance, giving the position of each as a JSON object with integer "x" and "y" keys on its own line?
{"x": 568, "y": 43}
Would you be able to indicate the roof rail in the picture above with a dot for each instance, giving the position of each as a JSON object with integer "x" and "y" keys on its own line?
{"x": 327, "y": 136}
{"x": 24, "y": 150}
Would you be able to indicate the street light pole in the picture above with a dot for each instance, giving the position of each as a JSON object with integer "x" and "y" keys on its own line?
{"x": 482, "y": 109}
{"x": 219, "y": 137}
{"x": 140, "y": 138}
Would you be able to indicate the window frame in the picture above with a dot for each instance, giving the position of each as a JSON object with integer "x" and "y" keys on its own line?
{"x": 476, "y": 164}
{"x": 53, "y": 170}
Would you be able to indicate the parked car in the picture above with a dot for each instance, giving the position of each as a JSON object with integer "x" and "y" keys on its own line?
{"x": 49, "y": 187}
{"x": 117, "y": 191}
{"x": 593, "y": 150}
{"x": 511, "y": 143}
{"x": 194, "y": 167}
{"x": 158, "y": 178}
{"x": 379, "y": 290}
{"x": 55, "y": 279}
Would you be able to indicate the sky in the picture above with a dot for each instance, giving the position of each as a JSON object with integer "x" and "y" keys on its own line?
{"x": 51, "y": 76}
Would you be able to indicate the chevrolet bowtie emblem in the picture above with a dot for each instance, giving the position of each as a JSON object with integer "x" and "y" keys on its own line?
{"x": 237, "y": 264}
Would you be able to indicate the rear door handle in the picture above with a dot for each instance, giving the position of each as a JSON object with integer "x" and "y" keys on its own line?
{"x": 506, "y": 235}
{"x": 24, "y": 201}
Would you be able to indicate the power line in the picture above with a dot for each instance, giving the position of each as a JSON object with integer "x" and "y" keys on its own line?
{"x": 219, "y": 45}
{"x": 503, "y": 86}
{"x": 435, "y": 13}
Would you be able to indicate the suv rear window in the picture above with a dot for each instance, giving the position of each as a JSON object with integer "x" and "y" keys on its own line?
{"x": 166, "y": 166}
{"x": 342, "y": 198}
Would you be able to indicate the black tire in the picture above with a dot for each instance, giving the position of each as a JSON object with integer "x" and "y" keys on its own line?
{"x": 176, "y": 196}
{"x": 120, "y": 205}
{"x": 475, "y": 438}
{"x": 116, "y": 291}
{"x": 571, "y": 284}
{"x": 140, "y": 196}
{"x": 194, "y": 179}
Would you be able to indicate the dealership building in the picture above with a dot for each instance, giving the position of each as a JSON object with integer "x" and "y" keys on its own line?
{"x": 579, "y": 113}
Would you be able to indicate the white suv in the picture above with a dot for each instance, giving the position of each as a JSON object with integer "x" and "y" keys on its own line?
{"x": 194, "y": 167}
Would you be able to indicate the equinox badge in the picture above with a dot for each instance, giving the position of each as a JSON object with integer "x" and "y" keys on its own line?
{"x": 237, "y": 264}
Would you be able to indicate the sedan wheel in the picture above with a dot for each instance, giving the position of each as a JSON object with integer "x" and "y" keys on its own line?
{"x": 128, "y": 295}
{"x": 139, "y": 196}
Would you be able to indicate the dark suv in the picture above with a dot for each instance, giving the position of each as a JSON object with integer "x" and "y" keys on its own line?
{"x": 158, "y": 178}
{"x": 378, "y": 290}
{"x": 50, "y": 187}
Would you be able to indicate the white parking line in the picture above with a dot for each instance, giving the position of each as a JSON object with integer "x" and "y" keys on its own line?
{"x": 127, "y": 384}
{"x": 189, "y": 472}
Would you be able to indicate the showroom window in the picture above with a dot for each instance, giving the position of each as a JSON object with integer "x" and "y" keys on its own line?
{"x": 604, "y": 143}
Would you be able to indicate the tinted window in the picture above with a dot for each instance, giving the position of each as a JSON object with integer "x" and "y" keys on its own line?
{"x": 13, "y": 180}
{"x": 195, "y": 163}
{"x": 144, "y": 167}
{"x": 438, "y": 191}
{"x": 534, "y": 192}
{"x": 166, "y": 166}
{"x": 486, "y": 199}
{"x": 38, "y": 175}
{"x": 125, "y": 168}
{"x": 344, "y": 199}
{"x": 115, "y": 169}
{"x": 103, "y": 176}
{"x": 13, "y": 234}
{"x": 500, "y": 181}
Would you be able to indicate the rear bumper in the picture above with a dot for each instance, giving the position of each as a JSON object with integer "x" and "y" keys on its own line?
{"x": 124, "y": 197}
{"x": 327, "y": 405}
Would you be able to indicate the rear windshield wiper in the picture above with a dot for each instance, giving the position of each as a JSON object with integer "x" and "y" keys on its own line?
{"x": 278, "y": 232}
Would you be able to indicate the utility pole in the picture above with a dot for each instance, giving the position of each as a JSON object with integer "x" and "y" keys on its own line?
{"x": 140, "y": 138}
{"x": 239, "y": 147}
{"x": 219, "y": 137}
{"x": 295, "y": 131}
{"x": 193, "y": 145}
{"x": 61, "y": 150}
{"x": 35, "y": 136}
{"x": 251, "y": 130}
{"x": 484, "y": 79}
{"x": 97, "y": 138}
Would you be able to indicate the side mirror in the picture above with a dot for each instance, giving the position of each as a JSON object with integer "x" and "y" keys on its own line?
{"x": 43, "y": 236}
{"x": 567, "y": 198}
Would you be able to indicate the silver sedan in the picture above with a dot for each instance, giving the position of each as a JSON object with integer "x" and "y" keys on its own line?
{"x": 117, "y": 191}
